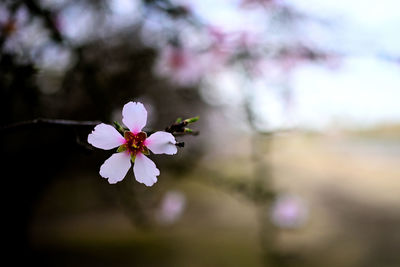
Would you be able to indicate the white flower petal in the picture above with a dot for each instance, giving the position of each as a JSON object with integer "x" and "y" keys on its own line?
{"x": 105, "y": 136}
{"x": 145, "y": 170}
{"x": 116, "y": 167}
{"x": 134, "y": 116}
{"x": 161, "y": 143}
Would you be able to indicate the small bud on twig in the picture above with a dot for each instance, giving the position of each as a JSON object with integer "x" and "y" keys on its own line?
{"x": 179, "y": 127}
{"x": 191, "y": 120}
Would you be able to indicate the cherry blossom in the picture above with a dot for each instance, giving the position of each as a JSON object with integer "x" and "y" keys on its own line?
{"x": 132, "y": 147}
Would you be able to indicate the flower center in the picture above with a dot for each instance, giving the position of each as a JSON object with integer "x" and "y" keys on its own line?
{"x": 134, "y": 143}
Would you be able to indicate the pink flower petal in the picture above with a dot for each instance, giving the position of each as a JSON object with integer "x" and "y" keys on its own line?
{"x": 145, "y": 170}
{"x": 105, "y": 136}
{"x": 134, "y": 116}
{"x": 161, "y": 143}
{"x": 116, "y": 167}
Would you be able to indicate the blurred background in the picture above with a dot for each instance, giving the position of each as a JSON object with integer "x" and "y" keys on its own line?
{"x": 298, "y": 158}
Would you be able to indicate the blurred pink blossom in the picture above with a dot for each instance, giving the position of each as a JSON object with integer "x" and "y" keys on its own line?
{"x": 222, "y": 47}
{"x": 180, "y": 65}
{"x": 289, "y": 211}
{"x": 172, "y": 207}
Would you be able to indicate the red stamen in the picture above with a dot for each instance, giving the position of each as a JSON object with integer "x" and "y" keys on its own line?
{"x": 135, "y": 142}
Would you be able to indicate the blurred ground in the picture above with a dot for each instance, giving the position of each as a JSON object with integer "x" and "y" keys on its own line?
{"x": 352, "y": 186}
{"x": 349, "y": 182}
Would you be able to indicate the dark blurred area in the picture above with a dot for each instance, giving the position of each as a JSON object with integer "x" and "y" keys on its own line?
{"x": 241, "y": 193}
{"x": 99, "y": 76}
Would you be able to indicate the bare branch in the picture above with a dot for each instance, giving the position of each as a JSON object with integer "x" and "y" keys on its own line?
{"x": 42, "y": 121}
{"x": 176, "y": 129}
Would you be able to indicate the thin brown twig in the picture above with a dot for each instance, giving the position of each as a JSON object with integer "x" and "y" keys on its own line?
{"x": 43, "y": 121}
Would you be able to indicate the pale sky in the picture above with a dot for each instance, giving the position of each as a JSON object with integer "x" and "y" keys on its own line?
{"x": 364, "y": 90}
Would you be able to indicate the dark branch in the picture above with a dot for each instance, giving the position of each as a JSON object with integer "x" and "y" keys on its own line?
{"x": 176, "y": 129}
{"x": 46, "y": 15}
{"x": 180, "y": 144}
{"x": 42, "y": 121}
